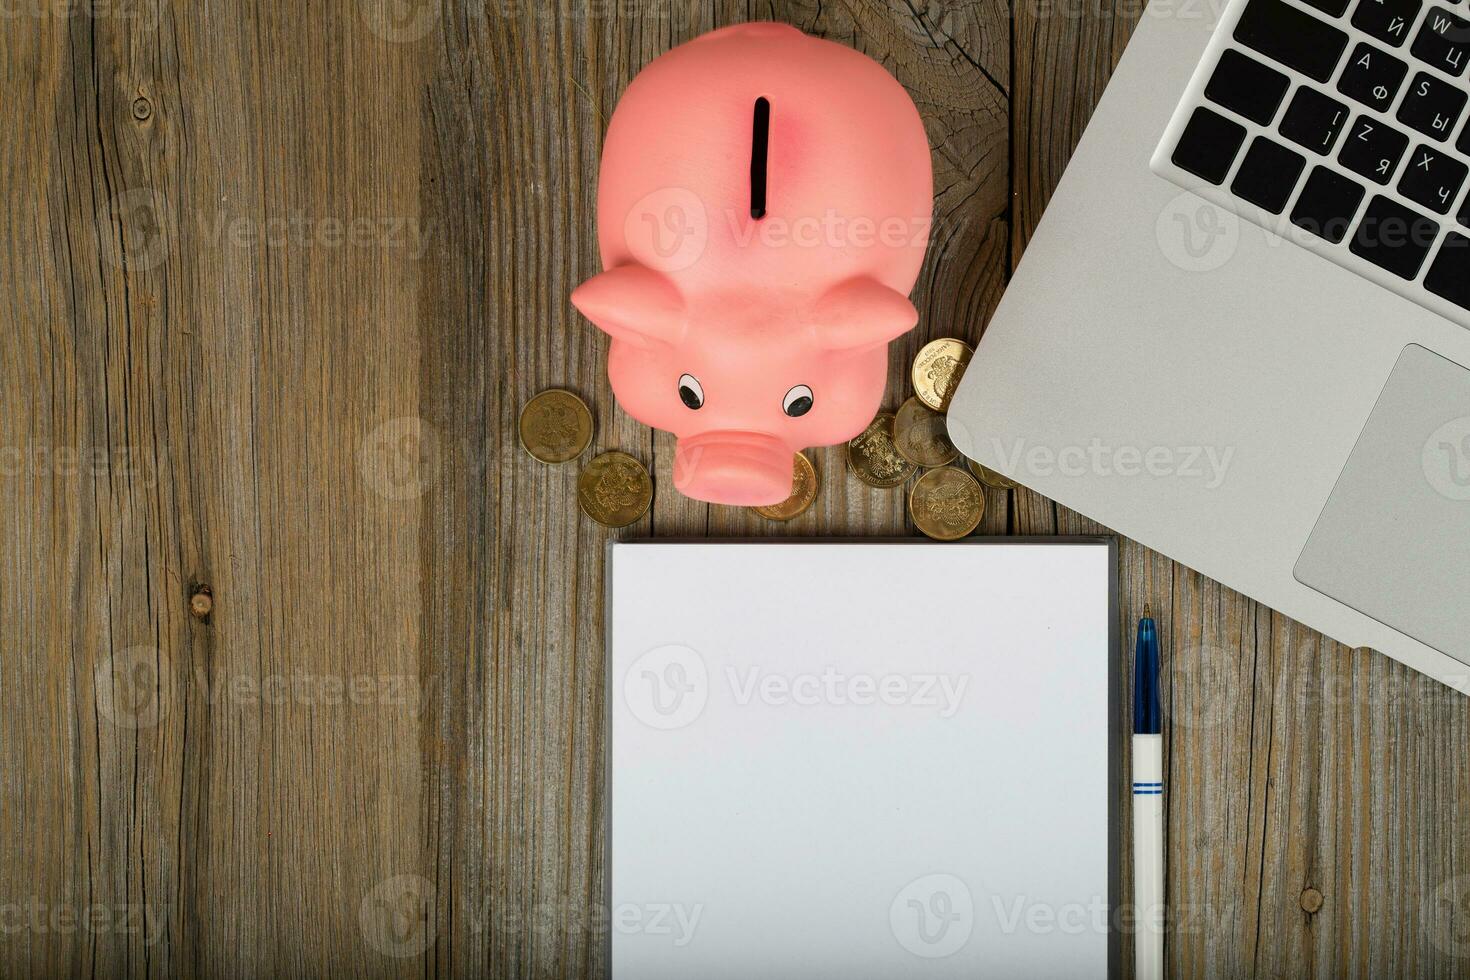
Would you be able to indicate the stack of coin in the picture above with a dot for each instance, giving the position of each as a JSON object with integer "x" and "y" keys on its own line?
{"x": 614, "y": 489}
{"x": 946, "y": 503}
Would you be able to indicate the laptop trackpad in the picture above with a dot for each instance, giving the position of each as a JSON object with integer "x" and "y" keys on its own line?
{"x": 1393, "y": 541}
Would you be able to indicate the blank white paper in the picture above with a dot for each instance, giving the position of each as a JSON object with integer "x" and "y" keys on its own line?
{"x": 859, "y": 760}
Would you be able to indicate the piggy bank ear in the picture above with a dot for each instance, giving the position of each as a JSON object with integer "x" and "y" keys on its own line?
{"x": 633, "y": 303}
{"x": 861, "y": 314}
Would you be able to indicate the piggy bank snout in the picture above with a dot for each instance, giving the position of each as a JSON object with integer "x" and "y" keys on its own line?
{"x": 745, "y": 469}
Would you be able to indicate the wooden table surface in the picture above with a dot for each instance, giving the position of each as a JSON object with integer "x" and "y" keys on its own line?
{"x": 301, "y": 666}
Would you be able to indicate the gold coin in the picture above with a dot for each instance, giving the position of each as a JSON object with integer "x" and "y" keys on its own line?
{"x": 873, "y": 458}
{"x": 803, "y": 493}
{"x": 947, "y": 503}
{"x": 555, "y": 426}
{"x": 920, "y": 436}
{"x": 990, "y": 478}
{"x": 614, "y": 490}
{"x": 938, "y": 369}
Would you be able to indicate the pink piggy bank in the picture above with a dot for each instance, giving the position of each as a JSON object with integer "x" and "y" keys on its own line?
{"x": 763, "y": 209}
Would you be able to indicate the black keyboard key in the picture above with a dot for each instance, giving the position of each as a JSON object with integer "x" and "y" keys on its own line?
{"x": 1394, "y": 238}
{"x": 1372, "y": 77}
{"x": 1334, "y": 7}
{"x": 1463, "y": 144}
{"x": 1373, "y": 149}
{"x": 1247, "y": 87}
{"x": 1327, "y": 204}
{"x": 1432, "y": 106}
{"x": 1208, "y": 146}
{"x": 1443, "y": 41}
{"x": 1313, "y": 120}
{"x": 1433, "y": 179}
{"x": 1292, "y": 37}
{"x": 1387, "y": 20}
{"x": 1449, "y": 275}
{"x": 1268, "y": 174}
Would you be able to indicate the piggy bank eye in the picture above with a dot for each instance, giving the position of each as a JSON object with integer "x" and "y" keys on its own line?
{"x": 690, "y": 393}
{"x": 798, "y": 401}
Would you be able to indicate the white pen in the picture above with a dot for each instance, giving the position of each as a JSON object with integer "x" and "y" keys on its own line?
{"x": 1148, "y": 806}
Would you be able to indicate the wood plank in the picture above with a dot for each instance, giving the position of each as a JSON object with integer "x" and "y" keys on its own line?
{"x": 293, "y": 129}
{"x": 199, "y": 305}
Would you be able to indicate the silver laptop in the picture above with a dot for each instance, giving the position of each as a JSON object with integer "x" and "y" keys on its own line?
{"x": 1241, "y": 332}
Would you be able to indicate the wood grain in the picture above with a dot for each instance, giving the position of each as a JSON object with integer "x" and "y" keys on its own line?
{"x": 279, "y": 283}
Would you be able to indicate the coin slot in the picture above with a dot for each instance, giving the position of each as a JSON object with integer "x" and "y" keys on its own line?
{"x": 760, "y": 142}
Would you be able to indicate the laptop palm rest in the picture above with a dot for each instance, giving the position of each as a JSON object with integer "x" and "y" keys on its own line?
{"x": 1393, "y": 540}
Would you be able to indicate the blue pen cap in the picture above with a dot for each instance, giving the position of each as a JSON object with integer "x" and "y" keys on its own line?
{"x": 1146, "y": 714}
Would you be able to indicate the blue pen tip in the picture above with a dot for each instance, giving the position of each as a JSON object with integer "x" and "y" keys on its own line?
{"x": 1146, "y": 713}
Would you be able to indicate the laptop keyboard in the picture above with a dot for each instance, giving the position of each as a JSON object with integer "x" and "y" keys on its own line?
{"x": 1341, "y": 125}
